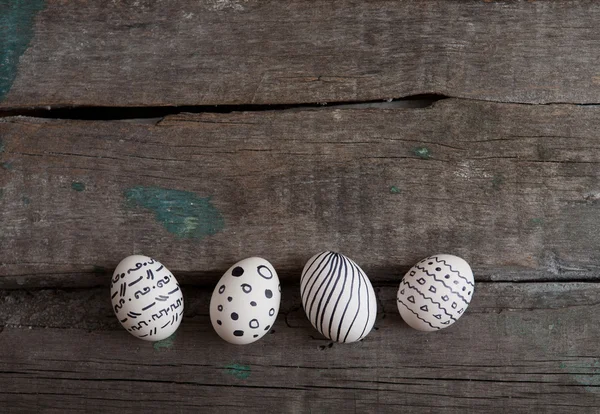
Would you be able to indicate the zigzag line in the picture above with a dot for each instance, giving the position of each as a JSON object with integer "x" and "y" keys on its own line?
{"x": 426, "y": 297}
{"x": 417, "y": 315}
{"x": 425, "y": 270}
{"x": 442, "y": 282}
{"x": 452, "y": 270}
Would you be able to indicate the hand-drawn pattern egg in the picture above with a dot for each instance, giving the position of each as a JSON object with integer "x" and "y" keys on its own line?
{"x": 435, "y": 292}
{"x": 245, "y": 302}
{"x": 146, "y": 298}
{"x": 338, "y": 297}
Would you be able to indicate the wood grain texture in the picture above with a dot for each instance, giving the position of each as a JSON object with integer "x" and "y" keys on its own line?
{"x": 208, "y": 52}
{"x": 511, "y": 188}
{"x": 526, "y": 347}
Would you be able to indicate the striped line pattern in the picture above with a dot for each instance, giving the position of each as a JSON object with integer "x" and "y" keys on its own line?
{"x": 338, "y": 297}
{"x": 435, "y": 292}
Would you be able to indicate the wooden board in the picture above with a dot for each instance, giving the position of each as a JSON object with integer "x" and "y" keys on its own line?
{"x": 511, "y": 188}
{"x": 208, "y": 52}
{"x": 526, "y": 347}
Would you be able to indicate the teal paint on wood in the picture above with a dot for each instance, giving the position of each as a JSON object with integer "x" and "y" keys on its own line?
{"x": 165, "y": 343}
{"x": 238, "y": 371}
{"x": 16, "y": 31}
{"x": 537, "y": 221}
{"x": 422, "y": 152}
{"x": 394, "y": 190}
{"x": 77, "y": 186}
{"x": 586, "y": 373}
{"x": 182, "y": 213}
{"x": 497, "y": 181}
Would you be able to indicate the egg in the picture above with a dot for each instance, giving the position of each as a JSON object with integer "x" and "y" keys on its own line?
{"x": 435, "y": 292}
{"x": 338, "y": 297}
{"x": 146, "y": 298}
{"x": 245, "y": 302}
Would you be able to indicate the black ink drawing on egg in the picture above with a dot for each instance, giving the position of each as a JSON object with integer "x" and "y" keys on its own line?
{"x": 430, "y": 293}
{"x": 338, "y": 297}
{"x": 264, "y": 271}
{"x": 151, "y": 317}
{"x": 246, "y": 298}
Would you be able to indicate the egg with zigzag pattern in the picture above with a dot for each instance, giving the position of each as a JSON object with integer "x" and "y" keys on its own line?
{"x": 435, "y": 292}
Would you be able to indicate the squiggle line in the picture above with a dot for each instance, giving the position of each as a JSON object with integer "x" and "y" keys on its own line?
{"x": 433, "y": 301}
{"x": 442, "y": 282}
{"x": 454, "y": 271}
{"x": 417, "y": 315}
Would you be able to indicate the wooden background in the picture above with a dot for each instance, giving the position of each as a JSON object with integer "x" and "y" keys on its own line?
{"x": 202, "y": 132}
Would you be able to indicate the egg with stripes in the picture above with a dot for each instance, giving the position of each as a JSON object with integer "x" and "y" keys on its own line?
{"x": 146, "y": 298}
{"x": 435, "y": 292}
{"x": 338, "y": 297}
{"x": 245, "y": 302}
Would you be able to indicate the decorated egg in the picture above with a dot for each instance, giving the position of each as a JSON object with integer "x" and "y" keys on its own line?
{"x": 435, "y": 292}
{"x": 245, "y": 302}
{"x": 146, "y": 298}
{"x": 338, "y": 297}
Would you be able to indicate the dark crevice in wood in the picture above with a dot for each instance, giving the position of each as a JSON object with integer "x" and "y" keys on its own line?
{"x": 112, "y": 113}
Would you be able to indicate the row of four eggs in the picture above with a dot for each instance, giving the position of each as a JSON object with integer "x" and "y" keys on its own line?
{"x": 336, "y": 295}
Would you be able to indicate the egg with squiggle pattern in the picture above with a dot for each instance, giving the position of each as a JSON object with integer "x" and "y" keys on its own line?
{"x": 338, "y": 297}
{"x": 245, "y": 302}
{"x": 146, "y": 298}
{"x": 435, "y": 292}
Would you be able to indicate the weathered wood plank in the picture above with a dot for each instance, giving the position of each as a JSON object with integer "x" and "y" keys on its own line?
{"x": 526, "y": 347}
{"x": 511, "y": 188}
{"x": 206, "y": 52}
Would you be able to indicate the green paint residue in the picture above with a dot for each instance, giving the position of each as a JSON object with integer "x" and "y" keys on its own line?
{"x": 16, "y": 31}
{"x": 537, "y": 221}
{"x": 182, "y": 213}
{"x": 394, "y": 190}
{"x": 7, "y": 165}
{"x": 1, "y": 192}
{"x": 26, "y": 201}
{"x": 77, "y": 186}
{"x": 422, "y": 152}
{"x": 165, "y": 343}
{"x": 591, "y": 379}
{"x": 1, "y": 146}
{"x": 497, "y": 182}
{"x": 238, "y": 371}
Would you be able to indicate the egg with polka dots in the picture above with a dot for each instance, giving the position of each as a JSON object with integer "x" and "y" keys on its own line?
{"x": 435, "y": 292}
{"x": 245, "y": 302}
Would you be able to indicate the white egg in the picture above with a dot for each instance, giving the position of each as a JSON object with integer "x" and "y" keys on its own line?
{"x": 435, "y": 292}
{"x": 338, "y": 297}
{"x": 245, "y": 302}
{"x": 146, "y": 298}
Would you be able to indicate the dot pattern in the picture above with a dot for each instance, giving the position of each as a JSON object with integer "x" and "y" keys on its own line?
{"x": 249, "y": 295}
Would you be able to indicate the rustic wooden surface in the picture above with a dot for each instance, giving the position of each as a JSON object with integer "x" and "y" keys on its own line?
{"x": 207, "y": 52}
{"x": 511, "y": 188}
{"x": 487, "y": 174}
{"x": 521, "y": 347}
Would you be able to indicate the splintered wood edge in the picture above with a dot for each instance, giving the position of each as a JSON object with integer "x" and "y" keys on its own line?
{"x": 249, "y": 52}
